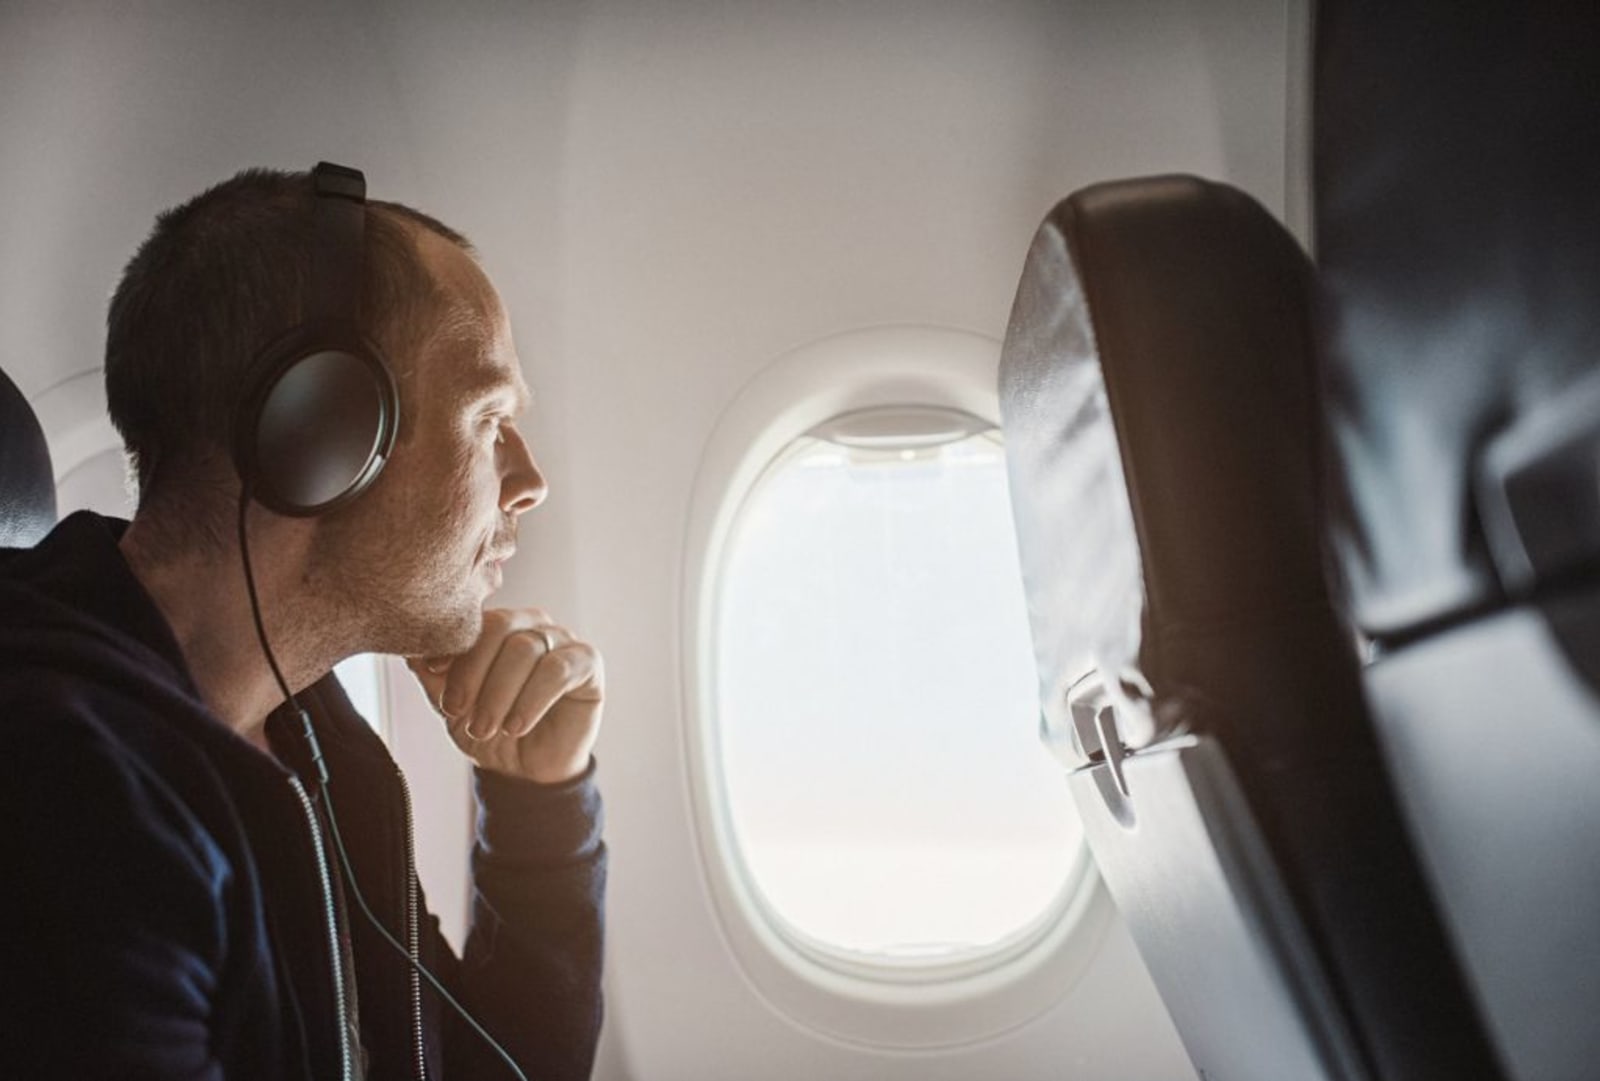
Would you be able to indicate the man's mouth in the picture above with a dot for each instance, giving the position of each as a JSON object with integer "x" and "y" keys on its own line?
{"x": 500, "y": 549}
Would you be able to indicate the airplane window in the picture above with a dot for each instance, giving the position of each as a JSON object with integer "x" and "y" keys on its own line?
{"x": 876, "y": 697}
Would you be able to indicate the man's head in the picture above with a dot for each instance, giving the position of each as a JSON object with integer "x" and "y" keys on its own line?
{"x": 226, "y": 274}
{"x": 220, "y": 278}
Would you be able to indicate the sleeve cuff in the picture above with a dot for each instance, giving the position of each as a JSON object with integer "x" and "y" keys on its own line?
{"x": 528, "y": 823}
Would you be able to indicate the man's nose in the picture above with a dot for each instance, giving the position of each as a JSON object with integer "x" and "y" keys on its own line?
{"x": 522, "y": 486}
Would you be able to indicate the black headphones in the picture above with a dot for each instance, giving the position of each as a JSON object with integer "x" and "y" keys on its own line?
{"x": 321, "y": 408}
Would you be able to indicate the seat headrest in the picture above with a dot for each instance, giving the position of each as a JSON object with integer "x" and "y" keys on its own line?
{"x": 27, "y": 488}
{"x": 1457, "y": 161}
{"x": 1157, "y": 391}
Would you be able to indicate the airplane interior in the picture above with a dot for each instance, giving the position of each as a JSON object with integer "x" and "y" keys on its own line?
{"x": 1091, "y": 510}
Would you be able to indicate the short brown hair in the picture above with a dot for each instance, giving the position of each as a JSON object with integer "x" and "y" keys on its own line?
{"x": 219, "y": 278}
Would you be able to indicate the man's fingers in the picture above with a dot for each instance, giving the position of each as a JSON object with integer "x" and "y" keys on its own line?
{"x": 525, "y": 699}
{"x": 431, "y": 675}
{"x": 566, "y": 672}
{"x": 468, "y": 670}
{"x": 433, "y": 684}
{"x": 520, "y": 660}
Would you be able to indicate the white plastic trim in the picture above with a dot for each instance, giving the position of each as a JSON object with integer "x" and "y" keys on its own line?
{"x": 856, "y": 1001}
{"x": 73, "y": 415}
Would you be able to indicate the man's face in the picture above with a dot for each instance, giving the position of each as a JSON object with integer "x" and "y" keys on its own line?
{"x": 418, "y": 554}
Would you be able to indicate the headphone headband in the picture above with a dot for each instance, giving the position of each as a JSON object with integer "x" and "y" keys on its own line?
{"x": 340, "y": 220}
{"x": 321, "y": 409}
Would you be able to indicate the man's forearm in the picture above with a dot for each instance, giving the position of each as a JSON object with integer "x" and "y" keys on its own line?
{"x": 533, "y": 958}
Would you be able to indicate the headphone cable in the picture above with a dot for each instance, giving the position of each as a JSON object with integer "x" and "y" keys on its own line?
{"x": 327, "y": 798}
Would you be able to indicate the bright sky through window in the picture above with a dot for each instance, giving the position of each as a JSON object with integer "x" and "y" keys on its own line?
{"x": 877, "y": 704}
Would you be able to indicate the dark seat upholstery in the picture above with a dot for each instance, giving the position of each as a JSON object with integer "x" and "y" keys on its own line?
{"x": 27, "y": 489}
{"x": 1161, "y": 417}
{"x": 1458, "y": 229}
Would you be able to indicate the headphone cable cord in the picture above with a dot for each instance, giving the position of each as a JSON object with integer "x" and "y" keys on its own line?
{"x": 327, "y": 799}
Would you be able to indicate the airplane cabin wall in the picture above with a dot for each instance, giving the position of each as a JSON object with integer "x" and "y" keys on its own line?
{"x": 670, "y": 197}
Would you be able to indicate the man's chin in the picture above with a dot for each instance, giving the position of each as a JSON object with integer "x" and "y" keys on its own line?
{"x": 456, "y": 632}
{"x": 449, "y": 633}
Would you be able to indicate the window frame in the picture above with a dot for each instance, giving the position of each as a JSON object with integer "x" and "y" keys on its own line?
{"x": 888, "y": 1003}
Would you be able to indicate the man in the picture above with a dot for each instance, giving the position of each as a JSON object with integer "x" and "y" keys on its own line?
{"x": 186, "y": 897}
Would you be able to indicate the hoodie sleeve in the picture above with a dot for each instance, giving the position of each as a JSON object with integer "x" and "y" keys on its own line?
{"x": 531, "y": 965}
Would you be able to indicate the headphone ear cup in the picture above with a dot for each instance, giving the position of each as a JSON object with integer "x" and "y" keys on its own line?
{"x": 318, "y": 431}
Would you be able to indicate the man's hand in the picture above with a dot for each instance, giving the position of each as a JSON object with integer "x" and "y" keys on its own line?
{"x": 525, "y": 700}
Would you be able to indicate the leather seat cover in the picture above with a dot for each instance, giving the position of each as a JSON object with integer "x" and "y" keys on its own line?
{"x": 1174, "y": 316}
{"x": 27, "y": 488}
{"x": 1166, "y": 316}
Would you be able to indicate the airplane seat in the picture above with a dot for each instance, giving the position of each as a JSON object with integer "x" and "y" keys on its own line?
{"x": 1457, "y": 172}
{"x": 27, "y": 487}
{"x": 1160, "y": 412}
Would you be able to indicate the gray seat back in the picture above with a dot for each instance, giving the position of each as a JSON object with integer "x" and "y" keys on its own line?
{"x": 1161, "y": 419}
{"x": 1458, "y": 228}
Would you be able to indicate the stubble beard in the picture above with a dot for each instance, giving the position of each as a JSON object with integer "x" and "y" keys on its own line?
{"x": 425, "y": 627}
{"x": 390, "y": 595}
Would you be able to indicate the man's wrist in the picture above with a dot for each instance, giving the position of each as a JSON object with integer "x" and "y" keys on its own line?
{"x": 524, "y": 821}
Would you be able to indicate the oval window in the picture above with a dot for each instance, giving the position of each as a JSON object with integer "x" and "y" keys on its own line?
{"x": 876, "y": 697}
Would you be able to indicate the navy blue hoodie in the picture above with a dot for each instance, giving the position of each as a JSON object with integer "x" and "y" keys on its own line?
{"x": 162, "y": 911}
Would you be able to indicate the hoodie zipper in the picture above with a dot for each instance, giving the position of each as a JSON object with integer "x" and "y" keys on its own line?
{"x": 413, "y": 932}
{"x": 345, "y": 1057}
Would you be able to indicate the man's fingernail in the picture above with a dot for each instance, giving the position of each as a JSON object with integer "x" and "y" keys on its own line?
{"x": 451, "y": 705}
{"x": 437, "y": 666}
{"x": 478, "y": 730}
